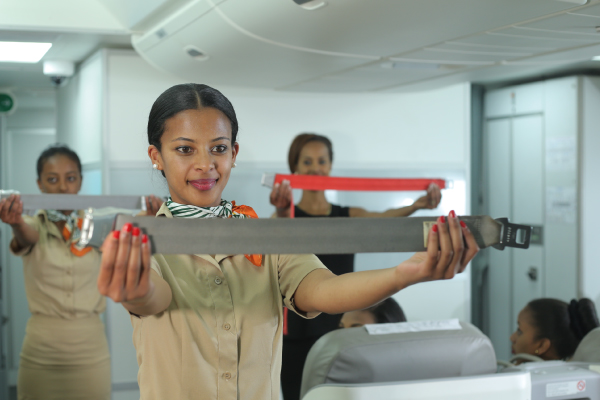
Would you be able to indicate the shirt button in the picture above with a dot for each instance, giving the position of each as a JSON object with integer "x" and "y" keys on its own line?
{"x": 218, "y": 280}
{"x": 227, "y": 327}
{"x": 227, "y": 375}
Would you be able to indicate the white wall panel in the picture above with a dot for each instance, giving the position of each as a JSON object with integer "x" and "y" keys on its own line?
{"x": 409, "y": 129}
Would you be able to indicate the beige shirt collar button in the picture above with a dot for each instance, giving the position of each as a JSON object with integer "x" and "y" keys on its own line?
{"x": 227, "y": 375}
{"x": 227, "y": 327}
{"x": 218, "y": 280}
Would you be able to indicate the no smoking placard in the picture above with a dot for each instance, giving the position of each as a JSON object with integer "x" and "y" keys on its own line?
{"x": 565, "y": 388}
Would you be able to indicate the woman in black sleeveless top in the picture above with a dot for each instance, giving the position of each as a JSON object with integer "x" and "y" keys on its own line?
{"x": 312, "y": 154}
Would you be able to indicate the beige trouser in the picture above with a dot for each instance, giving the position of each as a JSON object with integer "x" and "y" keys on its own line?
{"x": 64, "y": 359}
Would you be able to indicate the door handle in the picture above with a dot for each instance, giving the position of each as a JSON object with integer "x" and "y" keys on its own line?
{"x": 532, "y": 273}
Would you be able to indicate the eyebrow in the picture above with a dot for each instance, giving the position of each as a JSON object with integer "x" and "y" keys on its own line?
{"x": 193, "y": 141}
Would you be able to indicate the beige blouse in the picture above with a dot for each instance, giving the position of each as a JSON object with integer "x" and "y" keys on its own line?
{"x": 58, "y": 283}
{"x": 221, "y": 336}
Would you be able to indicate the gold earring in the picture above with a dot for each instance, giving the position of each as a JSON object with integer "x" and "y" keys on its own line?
{"x": 537, "y": 352}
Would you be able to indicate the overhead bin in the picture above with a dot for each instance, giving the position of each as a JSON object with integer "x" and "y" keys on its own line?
{"x": 353, "y": 45}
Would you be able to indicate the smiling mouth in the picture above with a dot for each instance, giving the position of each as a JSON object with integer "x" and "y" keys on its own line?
{"x": 204, "y": 184}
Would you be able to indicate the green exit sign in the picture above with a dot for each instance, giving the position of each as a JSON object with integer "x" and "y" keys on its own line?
{"x": 6, "y": 103}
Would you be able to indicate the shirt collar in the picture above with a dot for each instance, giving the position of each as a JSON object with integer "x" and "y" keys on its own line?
{"x": 164, "y": 211}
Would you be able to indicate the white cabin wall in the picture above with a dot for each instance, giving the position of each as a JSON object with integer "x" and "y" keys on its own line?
{"x": 590, "y": 188}
{"x": 80, "y": 119}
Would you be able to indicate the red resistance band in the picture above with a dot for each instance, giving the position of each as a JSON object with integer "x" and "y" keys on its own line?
{"x": 316, "y": 182}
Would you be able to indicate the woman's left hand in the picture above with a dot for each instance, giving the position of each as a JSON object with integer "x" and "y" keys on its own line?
{"x": 450, "y": 247}
{"x": 431, "y": 200}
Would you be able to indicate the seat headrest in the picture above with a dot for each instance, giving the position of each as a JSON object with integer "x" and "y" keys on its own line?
{"x": 355, "y": 356}
{"x": 589, "y": 348}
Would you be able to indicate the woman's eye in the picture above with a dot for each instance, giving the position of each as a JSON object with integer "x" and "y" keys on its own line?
{"x": 220, "y": 149}
{"x": 51, "y": 180}
{"x": 322, "y": 162}
{"x": 307, "y": 162}
{"x": 184, "y": 149}
{"x": 71, "y": 179}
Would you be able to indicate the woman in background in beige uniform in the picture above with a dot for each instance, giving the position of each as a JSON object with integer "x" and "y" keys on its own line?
{"x": 210, "y": 326}
{"x": 65, "y": 352}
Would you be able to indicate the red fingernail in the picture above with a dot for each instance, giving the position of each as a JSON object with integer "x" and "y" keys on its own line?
{"x": 116, "y": 234}
{"x": 136, "y": 231}
{"x": 144, "y": 238}
{"x": 127, "y": 227}
{"x": 443, "y": 219}
{"x": 462, "y": 223}
{"x": 435, "y": 228}
{"x": 452, "y": 214}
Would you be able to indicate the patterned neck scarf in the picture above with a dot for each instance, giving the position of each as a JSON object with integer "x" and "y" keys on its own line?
{"x": 223, "y": 210}
{"x": 71, "y": 231}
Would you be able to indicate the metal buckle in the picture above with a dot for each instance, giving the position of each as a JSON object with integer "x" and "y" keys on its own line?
{"x": 513, "y": 235}
{"x": 87, "y": 228}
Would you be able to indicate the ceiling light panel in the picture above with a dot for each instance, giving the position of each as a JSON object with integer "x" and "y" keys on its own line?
{"x": 23, "y": 52}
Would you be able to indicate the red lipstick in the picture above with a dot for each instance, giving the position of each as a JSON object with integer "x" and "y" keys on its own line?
{"x": 203, "y": 184}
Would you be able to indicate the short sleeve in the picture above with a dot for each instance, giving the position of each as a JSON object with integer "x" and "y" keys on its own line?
{"x": 15, "y": 247}
{"x": 292, "y": 270}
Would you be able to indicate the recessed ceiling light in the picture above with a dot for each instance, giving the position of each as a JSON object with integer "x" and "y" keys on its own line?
{"x": 597, "y": 58}
{"x": 23, "y": 52}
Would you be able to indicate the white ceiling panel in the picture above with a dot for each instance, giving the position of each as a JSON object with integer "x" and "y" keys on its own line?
{"x": 236, "y": 59}
{"x": 380, "y": 27}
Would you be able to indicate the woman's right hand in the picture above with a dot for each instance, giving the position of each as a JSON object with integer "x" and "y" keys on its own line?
{"x": 281, "y": 198}
{"x": 125, "y": 267}
{"x": 11, "y": 210}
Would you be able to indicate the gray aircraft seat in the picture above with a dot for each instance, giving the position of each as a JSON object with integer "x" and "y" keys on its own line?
{"x": 405, "y": 351}
{"x": 589, "y": 348}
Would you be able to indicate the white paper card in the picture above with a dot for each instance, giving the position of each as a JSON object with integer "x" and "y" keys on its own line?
{"x": 565, "y": 388}
{"x": 416, "y": 326}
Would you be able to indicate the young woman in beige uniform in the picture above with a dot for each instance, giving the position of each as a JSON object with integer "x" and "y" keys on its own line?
{"x": 65, "y": 353}
{"x": 210, "y": 326}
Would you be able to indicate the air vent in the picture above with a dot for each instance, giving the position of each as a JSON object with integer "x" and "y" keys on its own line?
{"x": 195, "y": 53}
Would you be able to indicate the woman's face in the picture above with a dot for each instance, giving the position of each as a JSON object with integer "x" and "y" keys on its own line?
{"x": 353, "y": 319}
{"x": 525, "y": 338}
{"x": 196, "y": 156}
{"x": 60, "y": 175}
{"x": 314, "y": 160}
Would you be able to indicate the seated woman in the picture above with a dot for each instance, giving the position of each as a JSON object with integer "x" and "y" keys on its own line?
{"x": 550, "y": 329}
{"x": 387, "y": 311}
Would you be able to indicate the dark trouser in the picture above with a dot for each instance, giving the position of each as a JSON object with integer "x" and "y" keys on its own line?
{"x": 294, "y": 356}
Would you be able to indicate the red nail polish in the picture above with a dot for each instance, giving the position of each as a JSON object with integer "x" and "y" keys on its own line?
{"x": 452, "y": 214}
{"x": 443, "y": 219}
{"x": 462, "y": 223}
{"x": 127, "y": 227}
{"x": 116, "y": 234}
{"x": 136, "y": 231}
{"x": 435, "y": 228}
{"x": 144, "y": 238}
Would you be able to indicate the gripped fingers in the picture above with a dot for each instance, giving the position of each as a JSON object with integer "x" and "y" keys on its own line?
{"x": 472, "y": 248}
{"x": 458, "y": 246}
{"x": 146, "y": 258}
{"x": 107, "y": 262}
{"x": 134, "y": 263}
{"x": 446, "y": 250}
{"x": 117, "y": 284}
